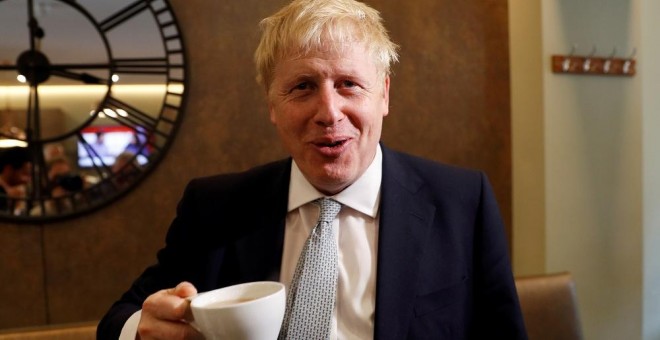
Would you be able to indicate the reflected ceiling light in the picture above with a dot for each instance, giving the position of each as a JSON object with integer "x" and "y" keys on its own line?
{"x": 12, "y": 136}
{"x": 21, "y": 78}
{"x": 115, "y": 78}
{"x": 110, "y": 112}
{"x": 93, "y": 89}
{"x": 12, "y": 143}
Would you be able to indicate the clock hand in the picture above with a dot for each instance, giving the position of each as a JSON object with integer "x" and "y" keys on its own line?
{"x": 32, "y": 22}
{"x": 84, "y": 77}
{"x": 36, "y": 32}
{"x": 33, "y": 126}
{"x": 8, "y": 67}
{"x": 33, "y": 133}
{"x": 32, "y": 63}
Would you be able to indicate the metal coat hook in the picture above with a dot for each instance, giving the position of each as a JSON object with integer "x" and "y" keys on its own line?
{"x": 628, "y": 62}
{"x": 586, "y": 66}
{"x": 607, "y": 65}
{"x": 566, "y": 64}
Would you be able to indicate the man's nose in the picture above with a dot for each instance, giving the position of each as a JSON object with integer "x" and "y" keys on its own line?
{"x": 329, "y": 108}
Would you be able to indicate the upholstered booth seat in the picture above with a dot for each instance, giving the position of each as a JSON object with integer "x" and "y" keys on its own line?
{"x": 548, "y": 302}
{"x": 77, "y": 331}
{"x": 549, "y": 306}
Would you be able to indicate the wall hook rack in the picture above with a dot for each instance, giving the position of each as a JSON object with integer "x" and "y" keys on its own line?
{"x": 591, "y": 64}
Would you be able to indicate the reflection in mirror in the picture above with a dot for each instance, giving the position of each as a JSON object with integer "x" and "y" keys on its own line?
{"x": 91, "y": 95}
{"x": 74, "y": 173}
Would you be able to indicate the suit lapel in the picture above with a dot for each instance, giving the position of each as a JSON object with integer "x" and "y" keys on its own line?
{"x": 405, "y": 220}
{"x": 258, "y": 256}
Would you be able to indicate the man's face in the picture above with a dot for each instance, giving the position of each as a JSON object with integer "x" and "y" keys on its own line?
{"x": 328, "y": 108}
{"x": 20, "y": 175}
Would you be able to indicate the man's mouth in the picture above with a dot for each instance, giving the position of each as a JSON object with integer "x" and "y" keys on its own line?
{"x": 332, "y": 144}
{"x": 332, "y": 147}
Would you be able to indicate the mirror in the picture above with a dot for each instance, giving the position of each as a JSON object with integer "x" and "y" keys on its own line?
{"x": 91, "y": 96}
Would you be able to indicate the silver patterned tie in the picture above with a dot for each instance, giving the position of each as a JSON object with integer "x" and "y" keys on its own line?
{"x": 313, "y": 289}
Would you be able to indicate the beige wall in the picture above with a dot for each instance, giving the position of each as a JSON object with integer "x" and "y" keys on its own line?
{"x": 528, "y": 153}
{"x": 647, "y": 12}
{"x": 585, "y": 190}
{"x": 449, "y": 101}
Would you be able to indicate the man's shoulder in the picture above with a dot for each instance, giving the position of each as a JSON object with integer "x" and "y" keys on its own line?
{"x": 425, "y": 167}
{"x": 259, "y": 177}
{"x": 451, "y": 184}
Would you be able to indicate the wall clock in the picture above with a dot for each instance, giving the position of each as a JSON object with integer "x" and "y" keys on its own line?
{"x": 94, "y": 92}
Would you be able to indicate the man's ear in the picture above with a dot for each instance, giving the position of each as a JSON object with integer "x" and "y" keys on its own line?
{"x": 386, "y": 95}
{"x": 271, "y": 113}
{"x": 269, "y": 103}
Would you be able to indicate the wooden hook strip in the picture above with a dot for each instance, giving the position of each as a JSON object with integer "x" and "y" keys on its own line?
{"x": 593, "y": 65}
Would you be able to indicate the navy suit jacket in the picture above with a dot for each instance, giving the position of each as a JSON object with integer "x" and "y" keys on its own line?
{"x": 443, "y": 269}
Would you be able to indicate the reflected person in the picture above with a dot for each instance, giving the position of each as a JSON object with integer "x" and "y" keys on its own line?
{"x": 63, "y": 184}
{"x": 126, "y": 168}
{"x": 420, "y": 248}
{"x": 15, "y": 174}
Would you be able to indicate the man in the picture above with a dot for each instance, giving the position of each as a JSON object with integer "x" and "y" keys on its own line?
{"x": 420, "y": 246}
{"x": 62, "y": 182}
{"x": 15, "y": 174}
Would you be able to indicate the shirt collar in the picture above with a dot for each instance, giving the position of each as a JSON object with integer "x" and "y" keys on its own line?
{"x": 363, "y": 195}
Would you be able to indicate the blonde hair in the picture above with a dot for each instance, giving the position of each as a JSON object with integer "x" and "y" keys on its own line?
{"x": 308, "y": 25}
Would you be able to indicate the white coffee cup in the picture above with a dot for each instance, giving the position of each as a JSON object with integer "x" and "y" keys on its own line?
{"x": 248, "y": 311}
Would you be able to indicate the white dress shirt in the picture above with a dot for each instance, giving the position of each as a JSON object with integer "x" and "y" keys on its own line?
{"x": 356, "y": 229}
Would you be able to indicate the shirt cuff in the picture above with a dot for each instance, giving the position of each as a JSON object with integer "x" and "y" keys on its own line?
{"x": 129, "y": 331}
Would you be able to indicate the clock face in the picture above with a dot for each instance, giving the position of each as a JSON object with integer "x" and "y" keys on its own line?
{"x": 91, "y": 95}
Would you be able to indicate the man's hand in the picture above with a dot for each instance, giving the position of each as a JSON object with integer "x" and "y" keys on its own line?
{"x": 164, "y": 314}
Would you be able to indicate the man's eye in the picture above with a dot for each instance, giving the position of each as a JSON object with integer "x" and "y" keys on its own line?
{"x": 302, "y": 86}
{"x": 348, "y": 83}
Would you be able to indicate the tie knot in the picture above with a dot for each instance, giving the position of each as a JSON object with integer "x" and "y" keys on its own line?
{"x": 329, "y": 209}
